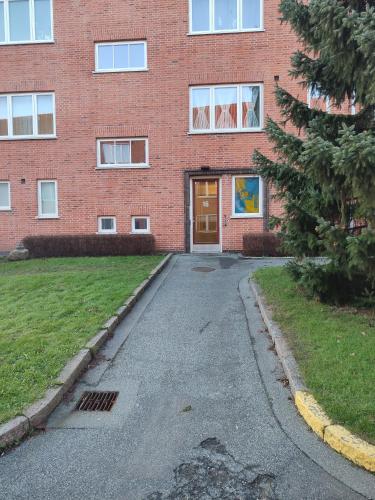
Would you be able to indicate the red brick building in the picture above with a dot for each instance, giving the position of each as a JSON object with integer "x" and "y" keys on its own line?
{"x": 138, "y": 116}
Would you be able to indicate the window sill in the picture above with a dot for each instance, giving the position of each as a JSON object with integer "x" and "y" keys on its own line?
{"x": 106, "y": 234}
{"x": 8, "y": 210}
{"x": 109, "y": 72}
{"x": 132, "y": 167}
{"x": 28, "y": 138}
{"x": 226, "y": 131}
{"x": 226, "y": 32}
{"x": 248, "y": 216}
{"x": 140, "y": 232}
{"x": 29, "y": 42}
{"x": 46, "y": 217}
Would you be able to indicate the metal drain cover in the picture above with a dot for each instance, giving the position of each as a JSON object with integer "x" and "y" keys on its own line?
{"x": 96, "y": 401}
{"x": 203, "y": 269}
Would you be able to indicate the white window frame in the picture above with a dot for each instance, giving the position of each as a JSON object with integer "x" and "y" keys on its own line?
{"x": 107, "y": 166}
{"x": 239, "y": 28}
{"x": 4, "y": 208}
{"x": 259, "y": 215}
{"x": 55, "y": 215}
{"x": 119, "y": 70}
{"x": 326, "y": 100}
{"x": 107, "y": 231}
{"x": 32, "y": 39}
{"x": 141, "y": 231}
{"x": 240, "y": 128}
{"x": 35, "y": 135}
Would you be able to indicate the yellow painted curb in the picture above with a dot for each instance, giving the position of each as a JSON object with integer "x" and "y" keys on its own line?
{"x": 312, "y": 412}
{"x": 358, "y": 451}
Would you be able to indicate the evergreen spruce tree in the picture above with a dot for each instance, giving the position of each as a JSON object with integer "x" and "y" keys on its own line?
{"x": 325, "y": 173}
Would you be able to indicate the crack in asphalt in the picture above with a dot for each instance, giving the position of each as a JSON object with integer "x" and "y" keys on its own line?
{"x": 214, "y": 473}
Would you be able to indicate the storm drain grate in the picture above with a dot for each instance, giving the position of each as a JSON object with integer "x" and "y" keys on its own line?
{"x": 97, "y": 401}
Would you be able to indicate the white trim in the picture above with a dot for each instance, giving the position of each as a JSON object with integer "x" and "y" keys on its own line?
{"x": 209, "y": 248}
{"x": 141, "y": 231}
{"x": 4, "y": 208}
{"x": 107, "y": 231}
{"x": 121, "y": 165}
{"x": 34, "y": 135}
{"x": 239, "y": 28}
{"x": 32, "y": 39}
{"x": 239, "y": 128}
{"x": 258, "y": 215}
{"x": 120, "y": 70}
{"x": 54, "y": 215}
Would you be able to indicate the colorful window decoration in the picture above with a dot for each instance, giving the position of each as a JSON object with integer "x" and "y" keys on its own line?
{"x": 247, "y": 196}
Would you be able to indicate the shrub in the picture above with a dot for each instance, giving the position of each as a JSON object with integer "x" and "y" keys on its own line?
{"x": 90, "y": 245}
{"x": 329, "y": 284}
{"x": 262, "y": 245}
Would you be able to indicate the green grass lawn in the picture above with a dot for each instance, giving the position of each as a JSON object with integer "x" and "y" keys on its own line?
{"x": 334, "y": 347}
{"x": 48, "y": 310}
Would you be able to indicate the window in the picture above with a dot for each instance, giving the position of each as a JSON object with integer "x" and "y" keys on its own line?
{"x": 47, "y": 200}
{"x": 140, "y": 225}
{"x": 316, "y": 100}
{"x": 247, "y": 196}
{"x": 25, "y": 21}
{"x": 107, "y": 225}
{"x": 122, "y": 153}
{"x": 121, "y": 56}
{"x": 4, "y": 195}
{"x": 226, "y": 108}
{"x": 25, "y": 116}
{"x": 220, "y": 16}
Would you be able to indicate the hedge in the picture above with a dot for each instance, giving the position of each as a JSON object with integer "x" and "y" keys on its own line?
{"x": 90, "y": 245}
{"x": 262, "y": 245}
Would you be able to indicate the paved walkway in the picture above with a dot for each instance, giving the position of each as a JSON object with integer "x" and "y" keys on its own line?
{"x": 201, "y": 412}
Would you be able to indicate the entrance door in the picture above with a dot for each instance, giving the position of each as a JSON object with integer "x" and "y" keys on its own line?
{"x": 206, "y": 227}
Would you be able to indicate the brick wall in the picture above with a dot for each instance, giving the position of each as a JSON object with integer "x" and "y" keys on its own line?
{"x": 154, "y": 103}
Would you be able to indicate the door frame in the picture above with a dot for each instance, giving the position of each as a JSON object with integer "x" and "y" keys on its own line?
{"x": 207, "y": 248}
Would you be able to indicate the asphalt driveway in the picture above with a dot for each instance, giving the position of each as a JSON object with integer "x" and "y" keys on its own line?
{"x": 202, "y": 410}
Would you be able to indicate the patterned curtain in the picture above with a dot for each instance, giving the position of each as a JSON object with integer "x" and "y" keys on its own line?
{"x": 250, "y": 107}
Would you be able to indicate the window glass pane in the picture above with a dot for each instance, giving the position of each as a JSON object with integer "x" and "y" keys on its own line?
{"x": 45, "y": 114}
{"x": 200, "y": 15}
{"x": 107, "y": 224}
{"x": 19, "y": 20}
{"x": 48, "y": 198}
{"x": 122, "y": 152}
{"x": 247, "y": 195}
{"x": 137, "y": 55}
{"x": 105, "y": 57}
{"x": 251, "y": 14}
{"x": 121, "y": 54}
{"x": 4, "y": 195}
{"x": 107, "y": 153}
{"x": 250, "y": 107}
{"x": 140, "y": 224}
{"x": 201, "y": 109}
{"x": 225, "y": 14}
{"x": 3, "y": 116}
{"x": 138, "y": 152}
{"x": 43, "y": 20}
{"x": 2, "y": 26}
{"x": 22, "y": 111}
{"x": 226, "y": 107}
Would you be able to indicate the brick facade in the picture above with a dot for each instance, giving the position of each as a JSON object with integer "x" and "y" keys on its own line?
{"x": 152, "y": 103}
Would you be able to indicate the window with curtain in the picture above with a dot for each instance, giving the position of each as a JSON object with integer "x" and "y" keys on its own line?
{"x": 4, "y": 195}
{"x": 247, "y": 196}
{"x": 25, "y": 21}
{"x": 47, "y": 199}
{"x": 226, "y": 108}
{"x": 121, "y": 56}
{"x": 218, "y": 16}
{"x": 27, "y": 115}
{"x": 118, "y": 153}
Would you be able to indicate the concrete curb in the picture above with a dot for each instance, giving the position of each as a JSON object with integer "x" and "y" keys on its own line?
{"x": 338, "y": 438}
{"x": 35, "y": 415}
